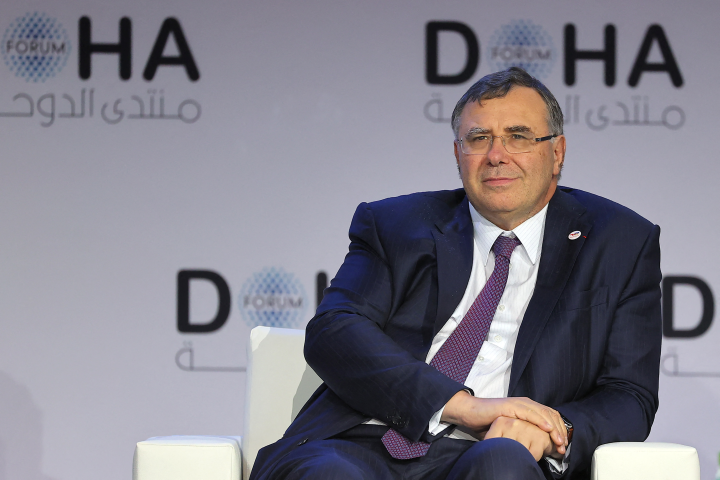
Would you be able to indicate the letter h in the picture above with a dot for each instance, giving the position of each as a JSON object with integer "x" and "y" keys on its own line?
{"x": 572, "y": 54}
{"x": 123, "y": 48}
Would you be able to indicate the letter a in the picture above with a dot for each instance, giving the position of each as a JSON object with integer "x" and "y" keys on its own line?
{"x": 185, "y": 58}
{"x": 669, "y": 65}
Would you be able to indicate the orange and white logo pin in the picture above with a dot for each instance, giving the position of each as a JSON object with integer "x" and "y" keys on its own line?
{"x": 574, "y": 235}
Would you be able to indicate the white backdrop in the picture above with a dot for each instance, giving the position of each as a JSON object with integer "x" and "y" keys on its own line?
{"x": 301, "y": 111}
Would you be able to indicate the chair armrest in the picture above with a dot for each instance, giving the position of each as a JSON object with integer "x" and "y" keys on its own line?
{"x": 645, "y": 461}
{"x": 182, "y": 457}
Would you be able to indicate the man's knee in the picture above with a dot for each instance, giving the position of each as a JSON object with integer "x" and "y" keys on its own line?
{"x": 328, "y": 466}
{"x": 324, "y": 459}
{"x": 497, "y": 459}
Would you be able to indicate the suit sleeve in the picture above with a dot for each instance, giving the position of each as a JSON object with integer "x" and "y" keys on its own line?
{"x": 347, "y": 346}
{"x": 622, "y": 406}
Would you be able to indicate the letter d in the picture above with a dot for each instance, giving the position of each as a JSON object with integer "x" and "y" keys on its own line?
{"x": 432, "y": 31}
{"x": 183, "y": 301}
{"x": 708, "y": 309}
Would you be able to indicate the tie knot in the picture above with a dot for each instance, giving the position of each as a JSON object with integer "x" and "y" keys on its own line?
{"x": 505, "y": 245}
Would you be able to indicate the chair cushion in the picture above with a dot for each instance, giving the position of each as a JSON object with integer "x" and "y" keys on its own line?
{"x": 645, "y": 461}
{"x": 183, "y": 457}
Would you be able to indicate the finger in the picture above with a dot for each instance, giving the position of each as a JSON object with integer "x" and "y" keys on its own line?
{"x": 552, "y": 450}
{"x": 540, "y": 444}
{"x": 538, "y": 414}
{"x": 538, "y": 408}
{"x": 511, "y": 428}
{"x": 559, "y": 434}
{"x": 495, "y": 431}
{"x": 536, "y": 451}
{"x": 528, "y": 443}
{"x": 536, "y": 417}
{"x": 553, "y": 419}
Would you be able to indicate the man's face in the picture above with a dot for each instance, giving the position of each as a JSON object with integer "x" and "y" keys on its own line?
{"x": 506, "y": 188}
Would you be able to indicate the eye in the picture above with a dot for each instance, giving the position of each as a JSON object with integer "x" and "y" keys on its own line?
{"x": 477, "y": 138}
{"x": 519, "y": 136}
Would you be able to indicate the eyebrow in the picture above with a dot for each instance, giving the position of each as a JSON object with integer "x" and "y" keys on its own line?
{"x": 476, "y": 130}
{"x": 510, "y": 129}
{"x": 518, "y": 128}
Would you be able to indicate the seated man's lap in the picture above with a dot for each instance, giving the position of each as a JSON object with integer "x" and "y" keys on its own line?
{"x": 496, "y": 459}
{"x": 358, "y": 454}
{"x": 331, "y": 459}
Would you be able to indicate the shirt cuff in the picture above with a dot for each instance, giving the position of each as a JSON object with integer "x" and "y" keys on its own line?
{"x": 435, "y": 425}
{"x": 558, "y": 466}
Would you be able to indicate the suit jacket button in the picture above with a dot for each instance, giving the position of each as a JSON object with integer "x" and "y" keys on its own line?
{"x": 394, "y": 419}
{"x": 303, "y": 441}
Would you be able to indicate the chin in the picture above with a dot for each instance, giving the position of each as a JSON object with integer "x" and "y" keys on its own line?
{"x": 499, "y": 203}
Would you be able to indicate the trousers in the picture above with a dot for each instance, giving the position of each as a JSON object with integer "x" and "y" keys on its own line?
{"x": 358, "y": 454}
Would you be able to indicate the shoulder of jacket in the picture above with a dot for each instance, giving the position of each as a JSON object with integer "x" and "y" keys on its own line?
{"x": 603, "y": 210}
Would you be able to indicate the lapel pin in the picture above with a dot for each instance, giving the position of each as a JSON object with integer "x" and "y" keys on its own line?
{"x": 574, "y": 235}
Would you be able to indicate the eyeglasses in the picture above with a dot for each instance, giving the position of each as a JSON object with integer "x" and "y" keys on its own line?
{"x": 481, "y": 143}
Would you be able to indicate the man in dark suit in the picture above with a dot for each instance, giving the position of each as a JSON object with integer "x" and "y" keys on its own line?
{"x": 568, "y": 355}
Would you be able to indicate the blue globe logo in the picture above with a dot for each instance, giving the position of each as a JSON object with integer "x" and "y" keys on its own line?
{"x": 35, "y": 47}
{"x": 273, "y": 298}
{"x": 522, "y": 44}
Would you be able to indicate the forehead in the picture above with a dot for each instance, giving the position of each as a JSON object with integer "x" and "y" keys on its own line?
{"x": 522, "y": 106}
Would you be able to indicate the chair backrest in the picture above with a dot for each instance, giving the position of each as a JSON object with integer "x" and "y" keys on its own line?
{"x": 278, "y": 384}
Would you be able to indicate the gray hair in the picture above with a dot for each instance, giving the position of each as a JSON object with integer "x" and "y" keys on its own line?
{"x": 498, "y": 84}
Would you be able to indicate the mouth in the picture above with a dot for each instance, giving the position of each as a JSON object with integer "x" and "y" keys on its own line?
{"x": 498, "y": 181}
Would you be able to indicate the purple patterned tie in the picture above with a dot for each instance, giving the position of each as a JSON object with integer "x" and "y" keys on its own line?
{"x": 457, "y": 355}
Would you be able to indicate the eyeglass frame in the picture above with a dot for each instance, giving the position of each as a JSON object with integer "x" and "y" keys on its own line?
{"x": 492, "y": 141}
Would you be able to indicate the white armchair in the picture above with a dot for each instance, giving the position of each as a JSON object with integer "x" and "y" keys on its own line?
{"x": 276, "y": 366}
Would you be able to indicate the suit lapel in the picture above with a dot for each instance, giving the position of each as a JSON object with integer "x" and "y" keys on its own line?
{"x": 556, "y": 262}
{"x": 454, "y": 249}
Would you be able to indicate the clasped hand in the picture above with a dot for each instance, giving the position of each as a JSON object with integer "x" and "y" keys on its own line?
{"x": 538, "y": 427}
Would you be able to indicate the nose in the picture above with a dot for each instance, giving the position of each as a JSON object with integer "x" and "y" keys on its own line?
{"x": 497, "y": 151}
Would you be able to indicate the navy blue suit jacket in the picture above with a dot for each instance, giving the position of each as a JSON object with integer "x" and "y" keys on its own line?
{"x": 588, "y": 345}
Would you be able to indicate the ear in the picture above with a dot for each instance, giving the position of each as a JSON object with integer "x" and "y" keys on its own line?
{"x": 559, "y": 146}
{"x": 457, "y": 158}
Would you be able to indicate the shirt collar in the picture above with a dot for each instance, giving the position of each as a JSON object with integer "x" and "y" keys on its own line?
{"x": 529, "y": 233}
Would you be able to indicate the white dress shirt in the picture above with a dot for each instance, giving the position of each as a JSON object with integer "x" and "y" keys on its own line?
{"x": 489, "y": 376}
